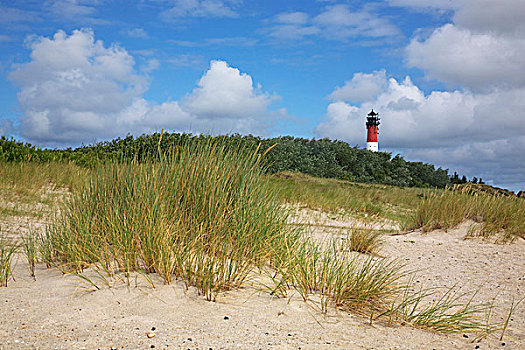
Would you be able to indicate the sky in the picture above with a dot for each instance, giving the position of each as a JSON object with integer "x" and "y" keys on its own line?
{"x": 446, "y": 76}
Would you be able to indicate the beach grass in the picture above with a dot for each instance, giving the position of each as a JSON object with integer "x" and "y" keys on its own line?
{"x": 492, "y": 213}
{"x": 358, "y": 199}
{"x": 29, "y": 243}
{"x": 32, "y": 189}
{"x": 365, "y": 239}
{"x": 208, "y": 215}
{"x": 7, "y": 259}
{"x": 202, "y": 213}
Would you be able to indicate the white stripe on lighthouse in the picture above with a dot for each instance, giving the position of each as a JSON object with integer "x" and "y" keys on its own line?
{"x": 372, "y": 146}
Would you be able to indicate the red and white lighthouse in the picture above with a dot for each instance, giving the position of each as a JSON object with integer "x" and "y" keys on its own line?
{"x": 372, "y": 126}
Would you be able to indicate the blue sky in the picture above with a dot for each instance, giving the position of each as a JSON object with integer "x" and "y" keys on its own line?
{"x": 446, "y": 76}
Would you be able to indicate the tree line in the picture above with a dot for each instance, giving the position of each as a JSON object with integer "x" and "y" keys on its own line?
{"x": 322, "y": 158}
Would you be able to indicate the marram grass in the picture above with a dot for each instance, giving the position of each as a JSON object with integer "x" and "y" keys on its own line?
{"x": 203, "y": 213}
{"x": 362, "y": 239}
{"x": 206, "y": 214}
{"x": 30, "y": 247}
{"x": 7, "y": 260}
{"x": 493, "y": 213}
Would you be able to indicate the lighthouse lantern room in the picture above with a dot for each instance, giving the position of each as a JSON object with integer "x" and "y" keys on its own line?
{"x": 372, "y": 126}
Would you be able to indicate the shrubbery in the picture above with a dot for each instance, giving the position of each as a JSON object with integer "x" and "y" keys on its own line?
{"x": 320, "y": 158}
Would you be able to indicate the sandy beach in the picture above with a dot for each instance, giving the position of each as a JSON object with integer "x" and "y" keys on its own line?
{"x": 58, "y": 311}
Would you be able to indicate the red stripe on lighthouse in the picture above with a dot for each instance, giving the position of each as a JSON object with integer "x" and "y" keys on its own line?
{"x": 372, "y": 133}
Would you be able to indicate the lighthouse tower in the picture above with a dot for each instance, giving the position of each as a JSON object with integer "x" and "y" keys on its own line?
{"x": 372, "y": 126}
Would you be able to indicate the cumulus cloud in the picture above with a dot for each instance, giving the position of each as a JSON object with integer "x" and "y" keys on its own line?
{"x": 225, "y": 91}
{"x": 362, "y": 87}
{"x": 473, "y": 60}
{"x": 336, "y": 22}
{"x": 413, "y": 119}
{"x": 483, "y": 48}
{"x": 73, "y": 85}
{"x": 74, "y": 89}
{"x": 494, "y": 16}
{"x": 480, "y": 134}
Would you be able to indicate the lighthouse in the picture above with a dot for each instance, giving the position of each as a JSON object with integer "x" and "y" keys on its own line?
{"x": 372, "y": 126}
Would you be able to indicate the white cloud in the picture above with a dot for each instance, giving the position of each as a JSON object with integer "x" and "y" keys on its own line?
{"x": 72, "y": 8}
{"x": 200, "y": 8}
{"x": 478, "y": 128}
{"x": 293, "y": 31}
{"x": 224, "y": 101}
{"x": 224, "y": 92}
{"x": 292, "y": 18}
{"x": 339, "y": 22}
{"x": 494, "y": 16}
{"x": 10, "y": 15}
{"x": 74, "y": 89}
{"x": 293, "y": 26}
{"x": 476, "y": 133}
{"x": 476, "y": 61}
{"x": 483, "y": 48}
{"x": 73, "y": 86}
{"x": 151, "y": 65}
{"x": 335, "y": 22}
{"x": 362, "y": 87}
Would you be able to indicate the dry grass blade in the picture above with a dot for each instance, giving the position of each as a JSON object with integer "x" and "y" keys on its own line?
{"x": 512, "y": 309}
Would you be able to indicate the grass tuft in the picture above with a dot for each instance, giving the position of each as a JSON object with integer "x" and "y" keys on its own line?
{"x": 450, "y": 311}
{"x": 7, "y": 263}
{"x": 363, "y": 240}
{"x": 203, "y": 214}
{"x": 30, "y": 246}
{"x": 493, "y": 214}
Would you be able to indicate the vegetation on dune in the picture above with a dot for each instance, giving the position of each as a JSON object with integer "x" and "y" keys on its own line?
{"x": 30, "y": 246}
{"x": 331, "y": 195}
{"x": 7, "y": 259}
{"x": 411, "y": 208}
{"x": 205, "y": 211}
{"x": 202, "y": 213}
{"x": 206, "y": 214}
{"x": 365, "y": 240}
{"x": 320, "y": 158}
{"x": 492, "y": 214}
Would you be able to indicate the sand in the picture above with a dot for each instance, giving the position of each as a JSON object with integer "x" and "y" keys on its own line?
{"x": 58, "y": 312}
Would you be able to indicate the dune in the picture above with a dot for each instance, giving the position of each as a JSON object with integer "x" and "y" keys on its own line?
{"x": 58, "y": 311}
